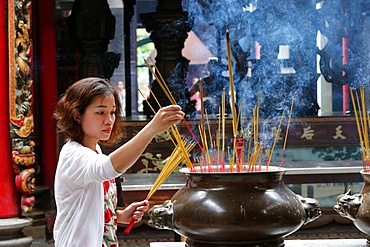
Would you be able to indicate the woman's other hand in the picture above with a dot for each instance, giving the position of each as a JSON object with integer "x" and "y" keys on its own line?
{"x": 134, "y": 211}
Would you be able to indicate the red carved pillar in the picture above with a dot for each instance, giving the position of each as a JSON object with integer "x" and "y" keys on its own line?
{"x": 46, "y": 51}
{"x": 9, "y": 203}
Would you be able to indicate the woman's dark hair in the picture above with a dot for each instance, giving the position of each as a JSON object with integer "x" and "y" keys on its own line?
{"x": 76, "y": 99}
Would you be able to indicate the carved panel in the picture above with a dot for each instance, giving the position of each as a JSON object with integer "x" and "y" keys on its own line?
{"x": 21, "y": 96}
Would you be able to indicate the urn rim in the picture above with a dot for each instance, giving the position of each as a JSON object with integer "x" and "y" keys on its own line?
{"x": 264, "y": 169}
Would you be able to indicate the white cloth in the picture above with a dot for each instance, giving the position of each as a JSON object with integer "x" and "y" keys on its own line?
{"x": 79, "y": 195}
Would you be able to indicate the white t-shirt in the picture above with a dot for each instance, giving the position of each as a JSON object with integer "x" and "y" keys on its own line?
{"x": 79, "y": 195}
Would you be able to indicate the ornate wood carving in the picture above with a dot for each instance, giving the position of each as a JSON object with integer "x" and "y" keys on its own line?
{"x": 21, "y": 95}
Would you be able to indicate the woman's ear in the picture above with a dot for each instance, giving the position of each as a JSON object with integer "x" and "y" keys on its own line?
{"x": 76, "y": 117}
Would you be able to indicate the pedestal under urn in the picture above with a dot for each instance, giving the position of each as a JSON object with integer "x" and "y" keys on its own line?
{"x": 357, "y": 207}
{"x": 234, "y": 209}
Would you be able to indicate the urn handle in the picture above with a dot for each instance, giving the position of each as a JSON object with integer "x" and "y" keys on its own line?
{"x": 348, "y": 205}
{"x": 161, "y": 216}
{"x": 311, "y": 207}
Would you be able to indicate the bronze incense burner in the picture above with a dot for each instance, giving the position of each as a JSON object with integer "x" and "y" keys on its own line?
{"x": 356, "y": 207}
{"x": 234, "y": 209}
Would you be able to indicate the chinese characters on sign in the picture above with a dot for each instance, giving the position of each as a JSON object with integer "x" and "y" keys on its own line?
{"x": 308, "y": 133}
{"x": 338, "y": 133}
{"x": 318, "y": 134}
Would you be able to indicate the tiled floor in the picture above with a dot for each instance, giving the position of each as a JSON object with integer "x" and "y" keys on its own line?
{"x": 122, "y": 244}
{"x": 294, "y": 243}
{"x": 143, "y": 235}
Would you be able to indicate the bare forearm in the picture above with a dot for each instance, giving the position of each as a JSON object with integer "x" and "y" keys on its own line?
{"x": 126, "y": 155}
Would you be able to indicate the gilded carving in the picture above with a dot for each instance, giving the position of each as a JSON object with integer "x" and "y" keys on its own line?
{"x": 162, "y": 137}
{"x": 155, "y": 163}
{"x": 21, "y": 93}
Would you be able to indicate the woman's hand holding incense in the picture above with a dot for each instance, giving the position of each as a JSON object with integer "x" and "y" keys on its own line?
{"x": 126, "y": 155}
{"x": 165, "y": 118}
{"x": 134, "y": 211}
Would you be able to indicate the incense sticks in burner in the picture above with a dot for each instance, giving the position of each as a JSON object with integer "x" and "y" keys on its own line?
{"x": 363, "y": 124}
{"x": 247, "y": 152}
{"x": 214, "y": 150}
{"x": 243, "y": 140}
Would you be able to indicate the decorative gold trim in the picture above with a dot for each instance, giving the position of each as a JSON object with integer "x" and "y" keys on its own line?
{"x": 11, "y": 54}
{"x": 20, "y": 67}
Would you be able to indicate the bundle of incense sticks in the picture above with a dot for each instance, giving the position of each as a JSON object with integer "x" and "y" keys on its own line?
{"x": 180, "y": 153}
{"x": 170, "y": 97}
{"x": 363, "y": 123}
{"x": 176, "y": 157}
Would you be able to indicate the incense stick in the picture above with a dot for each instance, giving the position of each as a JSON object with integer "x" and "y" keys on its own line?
{"x": 286, "y": 133}
{"x": 166, "y": 90}
{"x": 231, "y": 81}
{"x": 155, "y": 113}
{"x": 172, "y": 100}
{"x": 366, "y": 133}
{"x": 218, "y": 136}
{"x": 362, "y": 124}
{"x": 275, "y": 140}
{"x": 174, "y": 160}
{"x": 209, "y": 129}
{"x": 202, "y": 131}
{"x": 162, "y": 85}
{"x": 209, "y": 161}
{"x": 223, "y": 131}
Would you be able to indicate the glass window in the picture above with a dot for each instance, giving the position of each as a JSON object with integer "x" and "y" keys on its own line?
{"x": 145, "y": 49}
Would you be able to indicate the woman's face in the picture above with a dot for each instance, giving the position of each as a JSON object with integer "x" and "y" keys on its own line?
{"x": 98, "y": 120}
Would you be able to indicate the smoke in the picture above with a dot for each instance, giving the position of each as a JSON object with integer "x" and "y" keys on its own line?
{"x": 286, "y": 64}
{"x": 277, "y": 55}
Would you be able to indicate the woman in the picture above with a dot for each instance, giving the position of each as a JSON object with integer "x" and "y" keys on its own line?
{"x": 87, "y": 115}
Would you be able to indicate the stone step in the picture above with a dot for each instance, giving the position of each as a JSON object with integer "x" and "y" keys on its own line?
{"x": 25, "y": 241}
